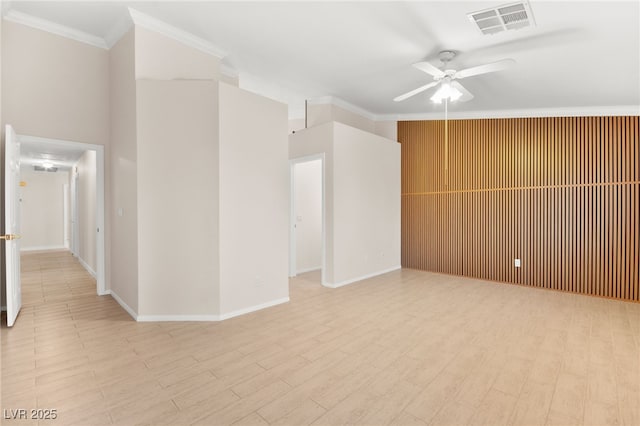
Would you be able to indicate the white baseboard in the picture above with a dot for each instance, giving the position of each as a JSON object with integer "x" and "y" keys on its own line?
{"x": 253, "y": 308}
{"x": 302, "y": 271}
{"x": 123, "y": 304}
{"x": 3, "y": 309}
{"x": 42, "y": 248}
{"x": 86, "y": 266}
{"x": 178, "y": 318}
{"x": 364, "y": 277}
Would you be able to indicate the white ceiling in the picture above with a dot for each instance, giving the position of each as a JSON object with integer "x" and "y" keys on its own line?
{"x": 581, "y": 54}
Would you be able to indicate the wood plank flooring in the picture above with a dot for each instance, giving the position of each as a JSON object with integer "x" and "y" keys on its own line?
{"x": 405, "y": 348}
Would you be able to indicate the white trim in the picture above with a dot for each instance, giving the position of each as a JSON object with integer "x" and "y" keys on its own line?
{"x": 53, "y": 28}
{"x": 305, "y": 270}
{"x": 42, "y": 248}
{"x": 176, "y": 318}
{"x": 229, "y": 71}
{"x": 86, "y": 266}
{"x": 124, "y": 306}
{"x": 590, "y": 111}
{"x": 180, "y": 318}
{"x": 332, "y": 100}
{"x": 119, "y": 29}
{"x": 150, "y": 23}
{"x": 364, "y": 277}
{"x": 253, "y": 308}
{"x": 100, "y": 274}
{"x": 66, "y": 217}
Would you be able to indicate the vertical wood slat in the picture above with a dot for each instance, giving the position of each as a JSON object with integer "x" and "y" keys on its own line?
{"x": 561, "y": 194}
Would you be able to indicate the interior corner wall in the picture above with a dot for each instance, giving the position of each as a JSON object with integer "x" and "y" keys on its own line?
{"x": 366, "y": 197}
{"x": 313, "y": 141}
{"x": 561, "y": 194}
{"x": 178, "y": 173}
{"x": 86, "y": 205}
{"x": 254, "y": 201}
{"x": 42, "y": 209}
{"x": 161, "y": 58}
{"x": 123, "y": 178}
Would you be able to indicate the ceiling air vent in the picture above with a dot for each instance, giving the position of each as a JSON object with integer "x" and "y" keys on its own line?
{"x": 502, "y": 18}
{"x": 45, "y": 169}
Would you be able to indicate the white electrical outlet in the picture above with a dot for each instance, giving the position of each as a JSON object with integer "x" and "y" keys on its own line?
{"x": 516, "y": 263}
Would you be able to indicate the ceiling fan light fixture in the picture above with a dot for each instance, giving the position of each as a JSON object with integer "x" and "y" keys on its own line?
{"x": 446, "y": 91}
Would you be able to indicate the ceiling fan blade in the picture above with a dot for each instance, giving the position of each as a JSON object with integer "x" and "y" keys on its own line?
{"x": 415, "y": 92}
{"x": 466, "y": 95}
{"x": 484, "y": 69}
{"x": 429, "y": 69}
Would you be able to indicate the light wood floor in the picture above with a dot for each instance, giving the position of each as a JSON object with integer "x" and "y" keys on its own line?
{"x": 406, "y": 348}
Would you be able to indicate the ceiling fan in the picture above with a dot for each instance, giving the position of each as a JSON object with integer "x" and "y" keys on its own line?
{"x": 450, "y": 89}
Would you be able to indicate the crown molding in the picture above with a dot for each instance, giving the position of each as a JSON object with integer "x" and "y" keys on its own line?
{"x": 229, "y": 71}
{"x": 333, "y": 100}
{"x": 145, "y": 21}
{"x": 588, "y": 111}
{"x": 118, "y": 30}
{"x": 51, "y": 27}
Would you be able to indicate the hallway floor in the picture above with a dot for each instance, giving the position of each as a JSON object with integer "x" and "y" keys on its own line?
{"x": 405, "y": 348}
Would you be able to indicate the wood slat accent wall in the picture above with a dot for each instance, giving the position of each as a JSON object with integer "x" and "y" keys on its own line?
{"x": 561, "y": 194}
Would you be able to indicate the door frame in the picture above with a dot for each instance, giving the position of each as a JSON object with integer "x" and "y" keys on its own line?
{"x": 101, "y": 284}
{"x": 292, "y": 214}
{"x": 73, "y": 207}
{"x": 66, "y": 232}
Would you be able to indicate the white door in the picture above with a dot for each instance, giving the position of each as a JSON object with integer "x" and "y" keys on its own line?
{"x": 12, "y": 223}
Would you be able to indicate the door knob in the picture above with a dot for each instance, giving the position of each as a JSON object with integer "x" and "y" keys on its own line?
{"x": 10, "y": 237}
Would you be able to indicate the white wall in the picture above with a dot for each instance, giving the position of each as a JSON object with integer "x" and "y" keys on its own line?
{"x": 159, "y": 57}
{"x": 177, "y": 197}
{"x": 42, "y": 209}
{"x": 296, "y": 124}
{"x": 254, "y": 201}
{"x": 123, "y": 172}
{"x": 362, "y": 199}
{"x": 387, "y": 129}
{"x": 308, "y": 215}
{"x": 86, "y": 199}
{"x": 367, "y": 204}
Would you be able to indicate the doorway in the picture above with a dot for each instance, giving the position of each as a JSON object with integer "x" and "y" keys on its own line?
{"x": 307, "y": 217}
{"x": 86, "y": 242}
